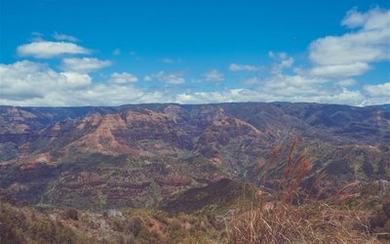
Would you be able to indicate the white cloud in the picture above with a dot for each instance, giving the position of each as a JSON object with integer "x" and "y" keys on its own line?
{"x": 170, "y": 78}
{"x": 346, "y": 82}
{"x": 281, "y": 61}
{"x": 351, "y": 54}
{"x": 213, "y": 75}
{"x": 30, "y": 83}
{"x": 48, "y": 49}
{"x": 26, "y": 80}
{"x": 351, "y": 48}
{"x": 123, "y": 78}
{"x": 35, "y": 84}
{"x": 340, "y": 70}
{"x": 380, "y": 90}
{"x": 75, "y": 80}
{"x": 37, "y": 36}
{"x": 246, "y": 95}
{"x": 377, "y": 94}
{"x": 107, "y": 94}
{"x": 242, "y": 67}
{"x": 301, "y": 85}
{"x": 84, "y": 65}
{"x": 64, "y": 37}
{"x": 373, "y": 19}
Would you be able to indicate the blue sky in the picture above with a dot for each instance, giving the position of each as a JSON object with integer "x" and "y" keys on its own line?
{"x": 71, "y": 53}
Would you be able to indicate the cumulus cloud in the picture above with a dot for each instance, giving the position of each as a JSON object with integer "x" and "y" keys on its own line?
{"x": 375, "y": 18}
{"x": 36, "y": 84}
{"x": 379, "y": 90}
{"x": 49, "y": 49}
{"x": 286, "y": 83}
{"x": 84, "y": 65}
{"x": 346, "y": 82}
{"x": 341, "y": 70}
{"x": 213, "y": 75}
{"x": 31, "y": 83}
{"x": 26, "y": 80}
{"x": 242, "y": 67}
{"x": 123, "y": 78}
{"x": 64, "y": 37}
{"x": 281, "y": 61}
{"x": 350, "y": 54}
{"x": 170, "y": 78}
{"x": 377, "y": 94}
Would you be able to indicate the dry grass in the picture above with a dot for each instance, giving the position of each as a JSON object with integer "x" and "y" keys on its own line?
{"x": 306, "y": 223}
{"x": 292, "y": 216}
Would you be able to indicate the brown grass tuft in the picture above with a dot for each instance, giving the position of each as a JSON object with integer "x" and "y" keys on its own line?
{"x": 306, "y": 223}
{"x": 292, "y": 216}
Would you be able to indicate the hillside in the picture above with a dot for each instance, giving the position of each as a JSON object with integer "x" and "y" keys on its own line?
{"x": 138, "y": 155}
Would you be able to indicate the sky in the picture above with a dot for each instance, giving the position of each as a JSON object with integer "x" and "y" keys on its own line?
{"x": 112, "y": 52}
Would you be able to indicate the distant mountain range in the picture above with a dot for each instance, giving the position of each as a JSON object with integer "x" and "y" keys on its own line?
{"x": 139, "y": 155}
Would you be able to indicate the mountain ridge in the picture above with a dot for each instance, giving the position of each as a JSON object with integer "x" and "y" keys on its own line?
{"x": 139, "y": 155}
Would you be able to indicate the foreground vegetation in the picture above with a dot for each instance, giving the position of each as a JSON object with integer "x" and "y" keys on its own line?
{"x": 274, "y": 222}
{"x": 297, "y": 214}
